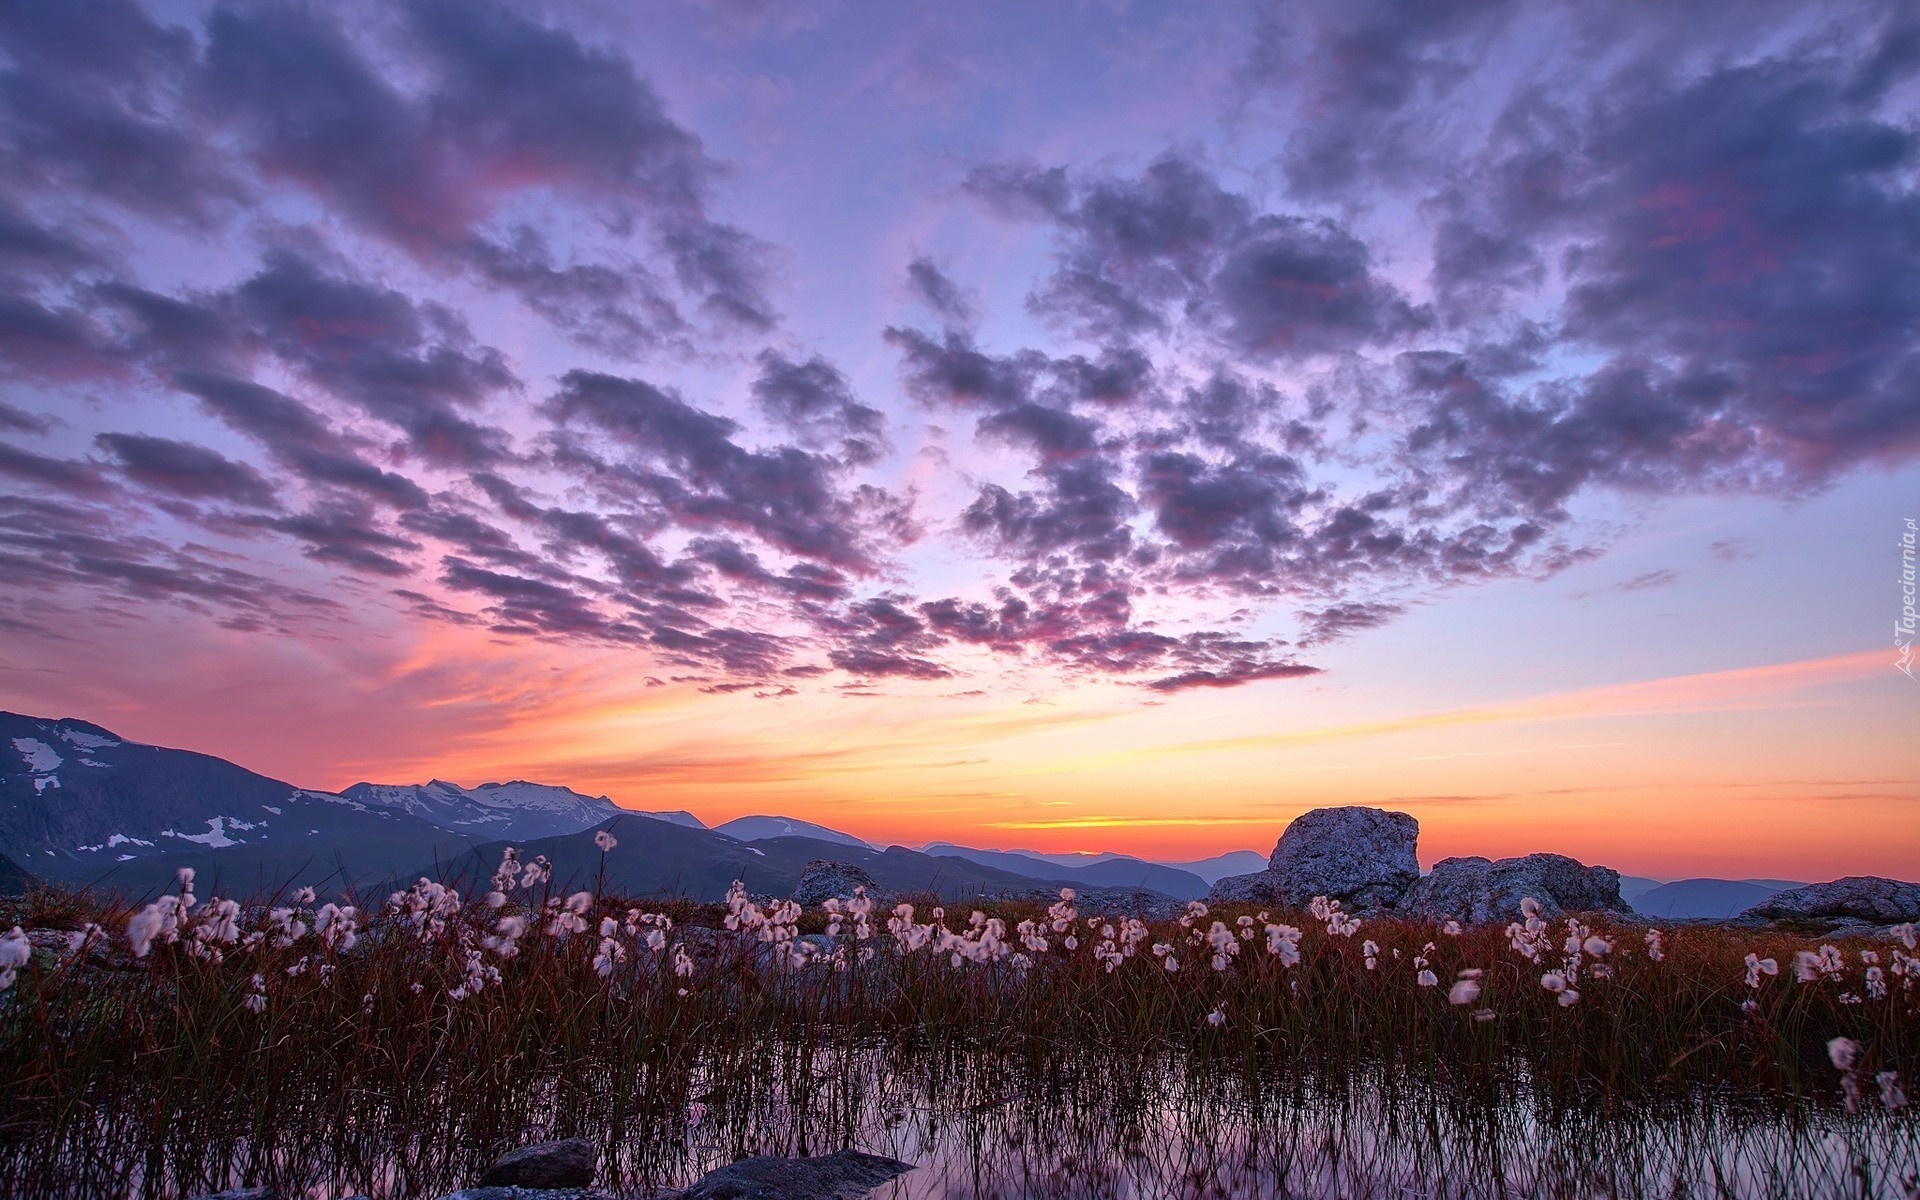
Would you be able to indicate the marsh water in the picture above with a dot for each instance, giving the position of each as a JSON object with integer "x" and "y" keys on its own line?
{"x": 978, "y": 1124}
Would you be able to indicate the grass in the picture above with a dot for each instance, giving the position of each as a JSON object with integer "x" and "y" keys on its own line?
{"x": 239, "y": 1052}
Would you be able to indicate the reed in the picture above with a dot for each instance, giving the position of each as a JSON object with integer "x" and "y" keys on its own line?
{"x": 199, "y": 1041}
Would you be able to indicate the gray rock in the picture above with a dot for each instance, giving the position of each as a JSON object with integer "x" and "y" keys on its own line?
{"x": 568, "y": 1163}
{"x": 525, "y": 1193}
{"x": 823, "y": 879}
{"x": 1362, "y": 857}
{"x": 242, "y": 1193}
{"x": 847, "y": 1175}
{"x": 1258, "y": 888}
{"x": 1477, "y": 891}
{"x": 1863, "y": 898}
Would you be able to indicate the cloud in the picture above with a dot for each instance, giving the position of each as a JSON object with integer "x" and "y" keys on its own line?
{"x": 187, "y": 470}
{"x": 934, "y": 288}
{"x": 644, "y": 445}
{"x": 414, "y": 366}
{"x": 507, "y": 108}
{"x": 814, "y": 401}
{"x": 1142, "y": 254}
{"x": 1339, "y": 621}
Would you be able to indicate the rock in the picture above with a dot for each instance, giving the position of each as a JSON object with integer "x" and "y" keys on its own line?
{"x": 568, "y": 1163}
{"x": 846, "y": 1175}
{"x": 1867, "y": 899}
{"x": 1258, "y": 888}
{"x": 525, "y": 1193}
{"x": 823, "y": 880}
{"x": 1362, "y": 857}
{"x": 243, "y": 1193}
{"x": 1477, "y": 891}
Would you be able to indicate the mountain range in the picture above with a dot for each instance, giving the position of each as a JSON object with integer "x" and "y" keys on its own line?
{"x": 501, "y": 810}
{"x": 81, "y": 805}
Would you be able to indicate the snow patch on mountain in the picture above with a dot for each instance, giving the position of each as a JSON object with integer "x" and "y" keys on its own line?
{"x": 85, "y": 740}
{"x": 39, "y": 757}
{"x": 214, "y": 839}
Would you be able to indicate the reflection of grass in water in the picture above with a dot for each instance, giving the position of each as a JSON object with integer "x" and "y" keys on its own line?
{"x": 1324, "y": 1074}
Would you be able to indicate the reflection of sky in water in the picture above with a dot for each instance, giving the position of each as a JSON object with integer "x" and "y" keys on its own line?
{"x": 987, "y": 1126}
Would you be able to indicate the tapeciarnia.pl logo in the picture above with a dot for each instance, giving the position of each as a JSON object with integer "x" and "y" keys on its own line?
{"x": 1903, "y": 628}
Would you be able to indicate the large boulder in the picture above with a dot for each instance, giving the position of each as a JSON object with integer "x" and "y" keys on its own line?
{"x": 823, "y": 880}
{"x": 1477, "y": 890}
{"x": 1362, "y": 857}
{"x": 568, "y": 1163}
{"x": 846, "y": 1175}
{"x": 1867, "y": 898}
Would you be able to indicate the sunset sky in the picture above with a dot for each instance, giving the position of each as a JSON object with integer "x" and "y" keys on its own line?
{"x": 1101, "y": 426}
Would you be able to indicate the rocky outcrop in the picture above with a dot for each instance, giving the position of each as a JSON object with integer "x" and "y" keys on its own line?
{"x": 1362, "y": 857}
{"x": 823, "y": 880}
{"x": 1260, "y": 887}
{"x": 847, "y": 1175}
{"x": 1476, "y": 890}
{"x": 568, "y": 1163}
{"x": 1866, "y": 898}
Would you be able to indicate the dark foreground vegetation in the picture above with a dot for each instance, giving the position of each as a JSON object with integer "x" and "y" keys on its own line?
{"x": 390, "y": 1047}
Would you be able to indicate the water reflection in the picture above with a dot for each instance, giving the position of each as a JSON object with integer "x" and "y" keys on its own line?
{"x": 985, "y": 1124}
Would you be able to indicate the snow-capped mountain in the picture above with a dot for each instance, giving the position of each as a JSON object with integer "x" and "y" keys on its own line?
{"x": 79, "y": 803}
{"x": 759, "y": 828}
{"x": 493, "y": 810}
{"x": 503, "y": 811}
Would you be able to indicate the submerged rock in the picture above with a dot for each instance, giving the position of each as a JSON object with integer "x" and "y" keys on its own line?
{"x": 568, "y": 1163}
{"x": 1863, "y": 898}
{"x": 1362, "y": 857}
{"x": 1478, "y": 890}
{"x": 527, "y": 1193}
{"x": 824, "y": 879}
{"x": 846, "y": 1175}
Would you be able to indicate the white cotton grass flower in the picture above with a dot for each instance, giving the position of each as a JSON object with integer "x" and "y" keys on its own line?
{"x": 606, "y": 841}
{"x": 1283, "y": 942}
{"x": 16, "y": 951}
{"x": 1891, "y": 1095}
{"x": 1426, "y": 979}
{"x": 1757, "y": 966}
{"x": 1217, "y": 1017}
{"x": 1656, "y": 945}
{"x": 1811, "y": 967}
{"x": 1844, "y": 1052}
{"x": 1451, "y": 928}
{"x": 1466, "y": 988}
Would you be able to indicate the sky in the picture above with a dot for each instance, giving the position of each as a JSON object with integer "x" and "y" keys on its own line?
{"x": 1087, "y": 426}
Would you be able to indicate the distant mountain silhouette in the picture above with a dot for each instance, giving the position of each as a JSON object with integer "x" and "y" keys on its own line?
{"x": 757, "y": 828}
{"x": 1105, "y": 871}
{"x": 1714, "y": 898}
{"x": 661, "y": 860}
